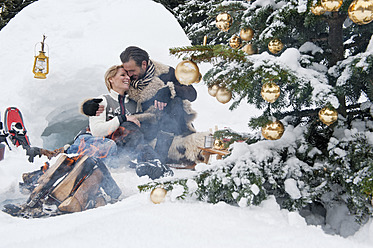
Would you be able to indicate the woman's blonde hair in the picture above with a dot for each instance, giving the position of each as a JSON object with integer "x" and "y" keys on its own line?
{"x": 109, "y": 74}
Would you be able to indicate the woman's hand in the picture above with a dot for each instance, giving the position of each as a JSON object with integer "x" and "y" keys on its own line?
{"x": 133, "y": 119}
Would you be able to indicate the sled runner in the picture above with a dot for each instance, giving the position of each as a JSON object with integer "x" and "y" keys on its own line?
{"x": 15, "y": 126}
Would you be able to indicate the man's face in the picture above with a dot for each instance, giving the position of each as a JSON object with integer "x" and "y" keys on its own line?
{"x": 134, "y": 71}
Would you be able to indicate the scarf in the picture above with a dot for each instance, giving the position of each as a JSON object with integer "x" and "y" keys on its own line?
{"x": 141, "y": 83}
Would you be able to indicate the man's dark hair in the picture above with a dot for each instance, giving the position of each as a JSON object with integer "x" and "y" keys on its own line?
{"x": 135, "y": 53}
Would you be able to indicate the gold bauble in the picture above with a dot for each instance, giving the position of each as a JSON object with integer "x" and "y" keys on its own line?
{"x": 331, "y": 5}
{"x": 218, "y": 144}
{"x": 249, "y": 49}
{"x": 223, "y": 95}
{"x": 187, "y": 72}
{"x": 212, "y": 90}
{"x": 235, "y": 42}
{"x": 157, "y": 195}
{"x": 273, "y": 130}
{"x": 246, "y": 34}
{"x": 270, "y": 92}
{"x": 361, "y": 11}
{"x": 328, "y": 115}
{"x": 224, "y": 21}
{"x": 317, "y": 9}
{"x": 275, "y": 46}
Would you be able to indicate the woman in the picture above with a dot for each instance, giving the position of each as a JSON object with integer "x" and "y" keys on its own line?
{"x": 120, "y": 123}
{"x": 114, "y": 104}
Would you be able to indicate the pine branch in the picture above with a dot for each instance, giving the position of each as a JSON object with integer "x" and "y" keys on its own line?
{"x": 210, "y": 53}
{"x": 314, "y": 112}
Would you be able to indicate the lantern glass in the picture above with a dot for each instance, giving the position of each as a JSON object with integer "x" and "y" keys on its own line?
{"x": 40, "y": 65}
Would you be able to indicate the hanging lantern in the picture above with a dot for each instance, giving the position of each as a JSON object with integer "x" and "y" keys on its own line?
{"x": 41, "y": 63}
{"x": 224, "y": 21}
{"x": 361, "y": 11}
{"x": 235, "y": 42}
{"x": 246, "y": 34}
{"x": 249, "y": 49}
{"x": 275, "y": 46}
{"x": 223, "y": 95}
{"x": 270, "y": 92}
{"x": 331, "y": 5}
{"x": 157, "y": 195}
{"x": 187, "y": 72}
{"x": 212, "y": 90}
{"x": 328, "y": 115}
{"x": 317, "y": 9}
{"x": 273, "y": 130}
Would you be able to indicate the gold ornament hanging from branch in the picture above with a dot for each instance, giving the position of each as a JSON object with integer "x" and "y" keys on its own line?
{"x": 273, "y": 130}
{"x": 187, "y": 72}
{"x": 218, "y": 144}
{"x": 249, "y": 49}
{"x": 235, "y": 42}
{"x": 223, "y": 95}
{"x": 224, "y": 21}
{"x": 361, "y": 11}
{"x": 270, "y": 92}
{"x": 212, "y": 90}
{"x": 317, "y": 9}
{"x": 275, "y": 46}
{"x": 246, "y": 34}
{"x": 158, "y": 195}
{"x": 331, "y": 5}
{"x": 328, "y": 115}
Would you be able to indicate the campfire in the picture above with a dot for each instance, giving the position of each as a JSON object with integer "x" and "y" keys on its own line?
{"x": 72, "y": 184}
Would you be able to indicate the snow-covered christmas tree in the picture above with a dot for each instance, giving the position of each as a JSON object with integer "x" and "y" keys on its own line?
{"x": 319, "y": 54}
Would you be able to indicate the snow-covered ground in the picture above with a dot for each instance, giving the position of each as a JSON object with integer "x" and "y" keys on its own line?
{"x": 84, "y": 39}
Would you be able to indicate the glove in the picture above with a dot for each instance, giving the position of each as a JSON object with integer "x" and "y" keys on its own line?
{"x": 91, "y": 106}
{"x": 163, "y": 95}
{"x": 32, "y": 152}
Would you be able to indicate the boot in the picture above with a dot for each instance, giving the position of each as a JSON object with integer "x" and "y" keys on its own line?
{"x": 164, "y": 141}
{"x": 154, "y": 169}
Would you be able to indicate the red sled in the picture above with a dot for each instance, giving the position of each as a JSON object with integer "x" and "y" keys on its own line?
{"x": 15, "y": 126}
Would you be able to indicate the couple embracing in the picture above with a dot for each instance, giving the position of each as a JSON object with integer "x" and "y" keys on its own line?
{"x": 146, "y": 118}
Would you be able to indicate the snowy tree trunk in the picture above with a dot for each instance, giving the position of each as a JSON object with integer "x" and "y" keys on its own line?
{"x": 335, "y": 41}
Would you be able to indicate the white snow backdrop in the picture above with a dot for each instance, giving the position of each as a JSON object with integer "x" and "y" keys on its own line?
{"x": 84, "y": 39}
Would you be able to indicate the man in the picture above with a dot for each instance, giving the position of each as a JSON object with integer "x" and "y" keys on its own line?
{"x": 155, "y": 89}
{"x": 142, "y": 71}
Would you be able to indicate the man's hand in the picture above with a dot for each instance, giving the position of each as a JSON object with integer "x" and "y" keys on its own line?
{"x": 159, "y": 105}
{"x": 162, "y": 97}
{"x": 133, "y": 119}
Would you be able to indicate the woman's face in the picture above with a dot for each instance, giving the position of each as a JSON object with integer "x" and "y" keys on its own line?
{"x": 120, "y": 82}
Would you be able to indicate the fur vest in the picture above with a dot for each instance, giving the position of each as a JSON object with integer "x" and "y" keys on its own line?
{"x": 147, "y": 93}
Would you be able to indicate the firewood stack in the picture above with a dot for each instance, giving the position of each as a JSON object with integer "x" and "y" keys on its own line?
{"x": 72, "y": 184}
